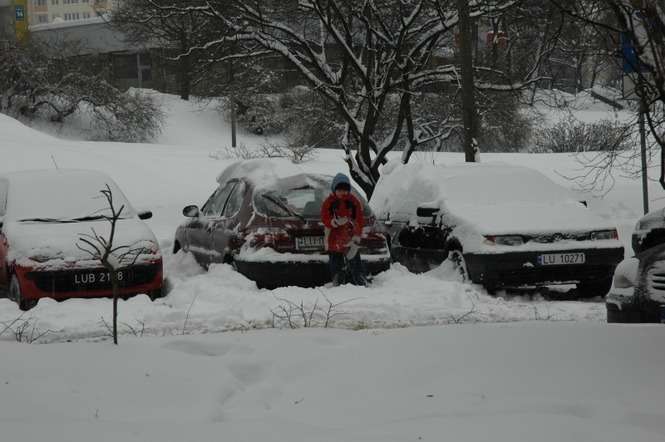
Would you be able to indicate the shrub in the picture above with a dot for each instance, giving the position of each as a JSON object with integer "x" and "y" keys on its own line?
{"x": 572, "y": 135}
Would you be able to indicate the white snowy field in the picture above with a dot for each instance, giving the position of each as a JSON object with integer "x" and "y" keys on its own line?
{"x": 181, "y": 169}
{"x": 500, "y": 382}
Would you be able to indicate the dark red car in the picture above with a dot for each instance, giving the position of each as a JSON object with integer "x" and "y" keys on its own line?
{"x": 42, "y": 217}
{"x": 268, "y": 226}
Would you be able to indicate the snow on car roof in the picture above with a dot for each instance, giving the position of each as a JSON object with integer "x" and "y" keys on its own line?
{"x": 494, "y": 197}
{"x": 480, "y": 183}
{"x": 261, "y": 172}
{"x": 60, "y": 193}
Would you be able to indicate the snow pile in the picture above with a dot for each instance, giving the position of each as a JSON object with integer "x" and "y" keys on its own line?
{"x": 505, "y": 383}
{"x": 222, "y": 299}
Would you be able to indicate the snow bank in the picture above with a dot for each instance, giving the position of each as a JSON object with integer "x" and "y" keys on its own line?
{"x": 222, "y": 299}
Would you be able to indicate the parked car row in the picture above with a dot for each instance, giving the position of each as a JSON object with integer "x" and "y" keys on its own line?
{"x": 498, "y": 225}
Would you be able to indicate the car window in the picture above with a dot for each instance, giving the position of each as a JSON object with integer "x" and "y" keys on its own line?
{"x": 4, "y": 188}
{"x": 215, "y": 204}
{"x": 235, "y": 200}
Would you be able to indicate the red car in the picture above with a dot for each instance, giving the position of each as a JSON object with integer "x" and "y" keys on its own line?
{"x": 268, "y": 225}
{"x": 42, "y": 217}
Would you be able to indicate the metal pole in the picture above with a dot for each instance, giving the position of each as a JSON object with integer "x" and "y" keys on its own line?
{"x": 643, "y": 148}
{"x": 233, "y": 123}
{"x": 138, "y": 70}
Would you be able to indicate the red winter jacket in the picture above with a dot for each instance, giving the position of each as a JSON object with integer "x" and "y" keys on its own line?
{"x": 333, "y": 208}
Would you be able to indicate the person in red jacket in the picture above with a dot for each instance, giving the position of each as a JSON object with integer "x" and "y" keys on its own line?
{"x": 342, "y": 216}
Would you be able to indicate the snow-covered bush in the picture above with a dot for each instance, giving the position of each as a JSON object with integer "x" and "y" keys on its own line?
{"x": 572, "y": 135}
{"x": 43, "y": 83}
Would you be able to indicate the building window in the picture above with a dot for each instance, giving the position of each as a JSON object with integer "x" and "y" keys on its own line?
{"x": 42, "y": 18}
{"x": 55, "y": 2}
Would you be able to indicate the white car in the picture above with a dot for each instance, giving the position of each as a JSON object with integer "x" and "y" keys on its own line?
{"x": 500, "y": 225}
{"x": 44, "y": 217}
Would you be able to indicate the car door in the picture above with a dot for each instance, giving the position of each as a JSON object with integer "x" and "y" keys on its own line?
{"x": 225, "y": 228}
{"x": 199, "y": 230}
{"x": 4, "y": 281}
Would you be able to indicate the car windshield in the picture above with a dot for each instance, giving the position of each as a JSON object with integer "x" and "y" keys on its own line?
{"x": 297, "y": 197}
{"x": 69, "y": 197}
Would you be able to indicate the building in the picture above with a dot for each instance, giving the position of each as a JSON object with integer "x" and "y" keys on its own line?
{"x": 54, "y": 11}
{"x": 7, "y": 31}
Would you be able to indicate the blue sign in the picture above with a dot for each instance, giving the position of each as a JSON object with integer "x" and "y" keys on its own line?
{"x": 20, "y": 13}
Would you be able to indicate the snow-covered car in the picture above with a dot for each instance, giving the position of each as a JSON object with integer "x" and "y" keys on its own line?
{"x": 44, "y": 216}
{"x": 264, "y": 218}
{"x": 638, "y": 289}
{"x": 499, "y": 225}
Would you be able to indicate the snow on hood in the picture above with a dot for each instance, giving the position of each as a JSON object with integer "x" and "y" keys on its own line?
{"x": 490, "y": 198}
{"x": 55, "y": 244}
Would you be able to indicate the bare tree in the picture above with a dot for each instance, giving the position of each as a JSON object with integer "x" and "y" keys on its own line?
{"x": 114, "y": 258}
{"x": 372, "y": 60}
{"x": 635, "y": 31}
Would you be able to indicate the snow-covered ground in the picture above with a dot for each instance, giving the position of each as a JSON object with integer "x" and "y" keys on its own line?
{"x": 489, "y": 382}
{"x": 181, "y": 169}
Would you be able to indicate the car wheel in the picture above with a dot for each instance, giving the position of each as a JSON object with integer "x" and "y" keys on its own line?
{"x": 592, "y": 289}
{"x": 16, "y": 295}
{"x": 456, "y": 257}
{"x": 624, "y": 315}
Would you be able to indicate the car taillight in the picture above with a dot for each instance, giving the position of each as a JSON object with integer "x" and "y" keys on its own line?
{"x": 271, "y": 237}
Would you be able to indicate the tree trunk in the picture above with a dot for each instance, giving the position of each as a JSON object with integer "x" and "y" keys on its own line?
{"x": 115, "y": 288}
{"x": 469, "y": 116}
{"x": 184, "y": 78}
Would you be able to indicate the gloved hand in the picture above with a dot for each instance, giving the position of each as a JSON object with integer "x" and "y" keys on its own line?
{"x": 356, "y": 239}
{"x": 339, "y": 221}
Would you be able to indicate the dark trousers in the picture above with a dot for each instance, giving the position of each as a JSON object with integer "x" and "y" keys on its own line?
{"x": 354, "y": 274}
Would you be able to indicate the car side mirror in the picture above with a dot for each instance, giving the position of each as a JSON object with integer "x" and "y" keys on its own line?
{"x": 584, "y": 203}
{"x": 145, "y": 214}
{"x": 427, "y": 212}
{"x": 191, "y": 211}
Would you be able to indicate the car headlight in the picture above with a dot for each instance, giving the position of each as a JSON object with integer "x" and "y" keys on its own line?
{"x": 504, "y": 240}
{"x": 604, "y": 235}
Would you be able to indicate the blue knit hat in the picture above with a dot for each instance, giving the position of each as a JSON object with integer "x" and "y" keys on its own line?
{"x": 340, "y": 179}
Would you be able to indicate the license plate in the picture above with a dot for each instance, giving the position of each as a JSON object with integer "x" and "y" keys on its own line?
{"x": 95, "y": 278}
{"x": 558, "y": 259}
{"x": 309, "y": 243}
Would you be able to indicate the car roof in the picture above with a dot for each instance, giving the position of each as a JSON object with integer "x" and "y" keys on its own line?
{"x": 260, "y": 172}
